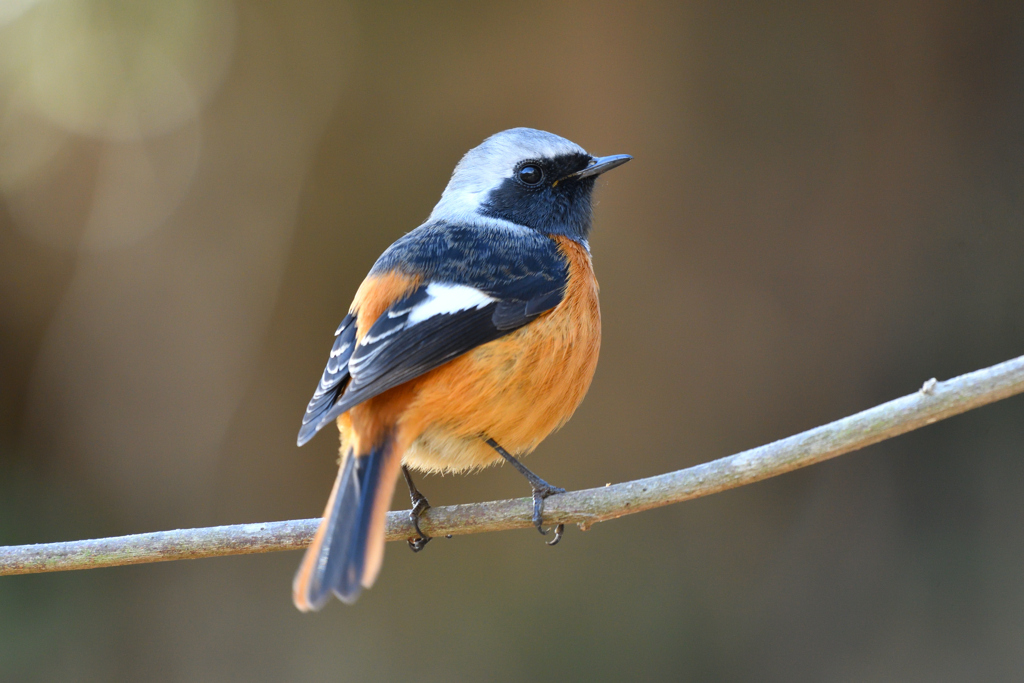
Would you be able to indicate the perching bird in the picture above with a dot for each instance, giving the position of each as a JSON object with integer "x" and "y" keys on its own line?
{"x": 472, "y": 338}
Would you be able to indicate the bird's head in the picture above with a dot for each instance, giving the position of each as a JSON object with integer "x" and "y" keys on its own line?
{"x": 527, "y": 177}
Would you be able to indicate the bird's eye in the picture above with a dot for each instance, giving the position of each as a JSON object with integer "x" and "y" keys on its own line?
{"x": 530, "y": 174}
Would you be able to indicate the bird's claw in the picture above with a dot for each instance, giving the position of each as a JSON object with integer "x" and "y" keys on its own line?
{"x": 419, "y": 506}
{"x": 540, "y": 493}
{"x": 419, "y": 543}
{"x": 541, "y": 490}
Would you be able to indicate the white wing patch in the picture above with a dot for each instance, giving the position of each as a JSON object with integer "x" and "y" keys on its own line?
{"x": 448, "y": 298}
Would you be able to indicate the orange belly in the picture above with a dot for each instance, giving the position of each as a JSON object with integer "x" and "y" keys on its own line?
{"x": 515, "y": 390}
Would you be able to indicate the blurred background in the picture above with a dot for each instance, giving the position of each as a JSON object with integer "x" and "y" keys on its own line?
{"x": 826, "y": 208}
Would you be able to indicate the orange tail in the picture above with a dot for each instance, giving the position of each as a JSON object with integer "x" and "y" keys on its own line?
{"x": 348, "y": 548}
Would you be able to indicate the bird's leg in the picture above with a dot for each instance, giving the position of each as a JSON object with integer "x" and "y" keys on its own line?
{"x": 419, "y": 506}
{"x": 541, "y": 490}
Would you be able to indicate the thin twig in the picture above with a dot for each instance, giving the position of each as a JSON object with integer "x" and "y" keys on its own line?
{"x": 934, "y": 401}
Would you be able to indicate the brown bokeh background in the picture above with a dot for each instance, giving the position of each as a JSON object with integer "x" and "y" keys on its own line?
{"x": 825, "y": 209}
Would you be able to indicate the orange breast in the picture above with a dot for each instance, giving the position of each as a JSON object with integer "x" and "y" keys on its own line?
{"x": 516, "y": 390}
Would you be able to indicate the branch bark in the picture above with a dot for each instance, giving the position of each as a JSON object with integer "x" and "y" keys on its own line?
{"x": 933, "y": 402}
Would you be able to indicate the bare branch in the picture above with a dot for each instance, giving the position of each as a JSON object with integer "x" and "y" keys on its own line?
{"x": 934, "y": 401}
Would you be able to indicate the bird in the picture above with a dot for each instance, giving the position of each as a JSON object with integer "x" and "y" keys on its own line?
{"x": 472, "y": 338}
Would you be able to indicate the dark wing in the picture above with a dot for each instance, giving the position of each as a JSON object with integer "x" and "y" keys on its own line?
{"x": 431, "y": 326}
{"x": 481, "y": 282}
{"x": 333, "y": 381}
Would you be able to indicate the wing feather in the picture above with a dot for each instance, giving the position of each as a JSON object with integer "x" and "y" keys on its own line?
{"x": 333, "y": 381}
{"x": 396, "y": 349}
{"x": 471, "y": 294}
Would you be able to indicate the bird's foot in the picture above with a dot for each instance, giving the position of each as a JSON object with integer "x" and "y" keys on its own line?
{"x": 541, "y": 491}
{"x": 420, "y": 505}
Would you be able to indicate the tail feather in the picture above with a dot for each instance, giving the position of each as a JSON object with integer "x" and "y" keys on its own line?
{"x": 346, "y": 553}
